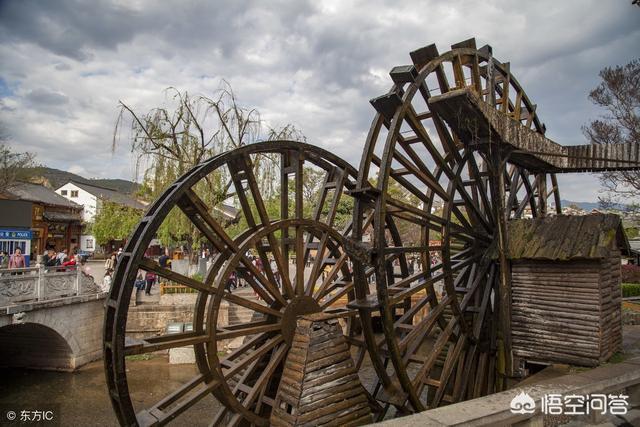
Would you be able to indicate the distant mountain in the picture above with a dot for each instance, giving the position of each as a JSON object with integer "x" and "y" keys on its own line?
{"x": 587, "y": 206}
{"x": 54, "y": 178}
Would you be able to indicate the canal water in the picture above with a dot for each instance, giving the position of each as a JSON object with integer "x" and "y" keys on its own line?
{"x": 80, "y": 398}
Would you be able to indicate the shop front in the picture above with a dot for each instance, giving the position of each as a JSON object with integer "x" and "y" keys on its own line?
{"x": 12, "y": 239}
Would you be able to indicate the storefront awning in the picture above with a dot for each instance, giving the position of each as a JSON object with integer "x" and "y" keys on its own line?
{"x": 62, "y": 216}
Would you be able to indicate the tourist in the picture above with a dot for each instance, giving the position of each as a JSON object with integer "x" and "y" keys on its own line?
{"x": 139, "y": 283}
{"x": 106, "y": 281}
{"x": 4, "y": 259}
{"x": 17, "y": 260}
{"x": 84, "y": 267}
{"x": 164, "y": 259}
{"x": 232, "y": 281}
{"x": 61, "y": 256}
{"x": 274, "y": 267}
{"x": 69, "y": 264}
{"x": 50, "y": 259}
{"x": 150, "y": 278}
{"x": 110, "y": 263}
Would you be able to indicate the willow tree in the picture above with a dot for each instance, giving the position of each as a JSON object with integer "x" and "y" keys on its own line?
{"x": 169, "y": 141}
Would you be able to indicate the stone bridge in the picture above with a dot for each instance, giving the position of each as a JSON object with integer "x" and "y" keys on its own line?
{"x": 49, "y": 319}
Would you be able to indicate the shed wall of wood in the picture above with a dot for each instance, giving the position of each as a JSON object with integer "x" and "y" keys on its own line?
{"x": 566, "y": 311}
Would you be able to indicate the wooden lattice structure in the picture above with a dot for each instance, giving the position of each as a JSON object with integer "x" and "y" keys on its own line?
{"x": 320, "y": 384}
{"x": 455, "y": 151}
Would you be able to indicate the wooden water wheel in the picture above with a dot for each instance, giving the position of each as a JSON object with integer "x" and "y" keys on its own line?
{"x": 298, "y": 234}
{"x": 417, "y": 273}
{"x": 452, "y": 193}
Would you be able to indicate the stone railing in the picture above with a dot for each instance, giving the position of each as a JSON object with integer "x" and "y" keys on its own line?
{"x": 22, "y": 285}
{"x": 496, "y": 409}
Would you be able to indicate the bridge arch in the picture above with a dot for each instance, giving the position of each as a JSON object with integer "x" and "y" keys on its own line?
{"x": 35, "y": 345}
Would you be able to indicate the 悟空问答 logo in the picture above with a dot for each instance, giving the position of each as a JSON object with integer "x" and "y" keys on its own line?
{"x": 523, "y": 404}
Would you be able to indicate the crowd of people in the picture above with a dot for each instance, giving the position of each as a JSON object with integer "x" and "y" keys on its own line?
{"x": 61, "y": 261}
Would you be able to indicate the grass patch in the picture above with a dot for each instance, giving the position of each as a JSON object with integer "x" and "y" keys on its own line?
{"x": 136, "y": 357}
{"x": 617, "y": 357}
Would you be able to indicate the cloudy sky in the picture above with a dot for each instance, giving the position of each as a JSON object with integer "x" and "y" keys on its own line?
{"x": 66, "y": 64}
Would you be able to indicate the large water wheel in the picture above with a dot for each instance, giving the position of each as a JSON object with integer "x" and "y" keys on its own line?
{"x": 452, "y": 195}
{"x": 422, "y": 253}
{"x": 297, "y": 235}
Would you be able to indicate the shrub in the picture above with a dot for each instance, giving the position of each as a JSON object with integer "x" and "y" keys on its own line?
{"x": 630, "y": 290}
{"x": 630, "y": 273}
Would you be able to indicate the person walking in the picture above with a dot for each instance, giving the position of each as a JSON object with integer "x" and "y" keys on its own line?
{"x": 274, "y": 267}
{"x": 150, "y": 278}
{"x": 106, "y": 281}
{"x": 17, "y": 260}
{"x": 110, "y": 263}
{"x": 164, "y": 259}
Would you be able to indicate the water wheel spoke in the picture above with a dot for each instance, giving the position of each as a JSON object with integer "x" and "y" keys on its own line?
{"x": 408, "y": 292}
{"x": 452, "y": 358}
{"x": 244, "y": 302}
{"x": 409, "y": 344}
{"x": 334, "y": 298}
{"x": 439, "y": 345}
{"x": 479, "y": 322}
{"x": 177, "y": 402}
{"x": 251, "y": 328}
{"x": 163, "y": 342}
{"x": 255, "y": 279}
{"x": 148, "y": 264}
{"x": 317, "y": 264}
{"x": 406, "y": 319}
{"x": 250, "y": 356}
{"x": 331, "y": 275}
{"x": 516, "y": 185}
{"x": 258, "y": 387}
{"x": 195, "y": 209}
{"x": 248, "y": 344}
{"x": 300, "y": 262}
{"x": 242, "y": 169}
{"x": 417, "y": 168}
{"x": 482, "y": 190}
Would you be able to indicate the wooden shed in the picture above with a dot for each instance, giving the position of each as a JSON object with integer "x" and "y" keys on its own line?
{"x": 565, "y": 288}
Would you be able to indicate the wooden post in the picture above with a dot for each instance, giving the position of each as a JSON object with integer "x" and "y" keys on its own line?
{"x": 504, "y": 288}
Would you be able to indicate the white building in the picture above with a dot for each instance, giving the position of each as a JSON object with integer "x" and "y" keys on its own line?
{"x": 89, "y": 197}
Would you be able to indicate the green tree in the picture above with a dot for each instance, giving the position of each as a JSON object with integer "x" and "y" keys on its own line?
{"x": 170, "y": 141}
{"x": 114, "y": 222}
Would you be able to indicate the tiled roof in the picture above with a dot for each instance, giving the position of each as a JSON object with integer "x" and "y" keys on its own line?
{"x": 39, "y": 193}
{"x": 111, "y": 195}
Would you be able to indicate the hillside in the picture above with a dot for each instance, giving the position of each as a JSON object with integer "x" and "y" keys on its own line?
{"x": 54, "y": 178}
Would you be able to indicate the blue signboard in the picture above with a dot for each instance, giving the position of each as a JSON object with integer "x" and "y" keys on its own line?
{"x": 15, "y": 234}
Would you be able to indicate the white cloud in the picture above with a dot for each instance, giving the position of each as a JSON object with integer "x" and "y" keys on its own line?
{"x": 313, "y": 64}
